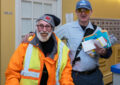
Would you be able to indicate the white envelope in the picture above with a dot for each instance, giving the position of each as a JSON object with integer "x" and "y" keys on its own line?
{"x": 88, "y": 45}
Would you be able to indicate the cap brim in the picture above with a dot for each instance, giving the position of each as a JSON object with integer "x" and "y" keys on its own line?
{"x": 83, "y": 7}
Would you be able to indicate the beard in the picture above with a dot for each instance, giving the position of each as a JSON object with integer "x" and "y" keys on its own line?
{"x": 43, "y": 38}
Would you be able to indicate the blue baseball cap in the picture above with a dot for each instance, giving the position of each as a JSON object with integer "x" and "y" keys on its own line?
{"x": 83, "y": 4}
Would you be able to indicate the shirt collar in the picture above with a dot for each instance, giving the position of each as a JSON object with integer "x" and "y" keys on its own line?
{"x": 88, "y": 26}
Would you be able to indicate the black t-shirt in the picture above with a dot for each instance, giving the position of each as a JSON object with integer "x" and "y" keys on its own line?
{"x": 47, "y": 48}
{"x": 83, "y": 27}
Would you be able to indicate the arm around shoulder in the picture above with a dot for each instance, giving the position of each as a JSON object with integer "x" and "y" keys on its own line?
{"x": 61, "y": 31}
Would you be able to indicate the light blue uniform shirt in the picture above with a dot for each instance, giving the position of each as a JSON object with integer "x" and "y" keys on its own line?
{"x": 74, "y": 34}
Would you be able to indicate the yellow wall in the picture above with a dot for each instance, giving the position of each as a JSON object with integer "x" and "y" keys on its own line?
{"x": 0, "y": 41}
{"x": 68, "y": 6}
{"x": 101, "y": 8}
{"x": 106, "y": 8}
{"x": 7, "y": 34}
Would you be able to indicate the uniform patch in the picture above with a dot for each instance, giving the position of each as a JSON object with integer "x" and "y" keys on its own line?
{"x": 47, "y": 17}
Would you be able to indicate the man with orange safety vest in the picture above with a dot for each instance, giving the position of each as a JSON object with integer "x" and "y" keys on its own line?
{"x": 44, "y": 60}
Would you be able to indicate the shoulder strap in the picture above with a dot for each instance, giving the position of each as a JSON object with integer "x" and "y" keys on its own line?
{"x": 95, "y": 27}
{"x": 80, "y": 45}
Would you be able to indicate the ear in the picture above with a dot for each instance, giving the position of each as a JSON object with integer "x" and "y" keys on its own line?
{"x": 76, "y": 12}
{"x": 53, "y": 28}
{"x": 91, "y": 12}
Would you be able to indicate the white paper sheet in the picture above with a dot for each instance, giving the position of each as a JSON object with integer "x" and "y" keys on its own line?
{"x": 88, "y": 45}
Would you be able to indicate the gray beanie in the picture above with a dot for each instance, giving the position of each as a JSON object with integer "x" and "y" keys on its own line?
{"x": 51, "y": 19}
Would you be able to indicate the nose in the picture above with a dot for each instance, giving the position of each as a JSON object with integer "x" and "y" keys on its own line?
{"x": 44, "y": 29}
{"x": 83, "y": 12}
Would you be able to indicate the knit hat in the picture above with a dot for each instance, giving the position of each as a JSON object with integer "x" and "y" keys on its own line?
{"x": 51, "y": 19}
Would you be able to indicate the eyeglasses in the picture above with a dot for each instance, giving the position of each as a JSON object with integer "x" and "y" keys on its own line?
{"x": 42, "y": 26}
{"x": 83, "y": 10}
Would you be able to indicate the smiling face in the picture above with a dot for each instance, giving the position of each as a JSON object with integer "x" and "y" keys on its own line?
{"x": 43, "y": 30}
{"x": 83, "y": 15}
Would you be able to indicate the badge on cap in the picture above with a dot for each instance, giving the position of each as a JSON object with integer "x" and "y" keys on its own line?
{"x": 83, "y": 3}
{"x": 47, "y": 17}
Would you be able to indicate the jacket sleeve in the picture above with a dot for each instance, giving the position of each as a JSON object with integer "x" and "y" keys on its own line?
{"x": 66, "y": 78}
{"x": 62, "y": 32}
{"x": 15, "y": 66}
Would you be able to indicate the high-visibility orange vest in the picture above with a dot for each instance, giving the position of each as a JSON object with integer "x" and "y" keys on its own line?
{"x": 32, "y": 61}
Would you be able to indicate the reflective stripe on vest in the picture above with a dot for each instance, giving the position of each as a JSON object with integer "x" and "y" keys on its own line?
{"x": 61, "y": 62}
{"x": 25, "y": 72}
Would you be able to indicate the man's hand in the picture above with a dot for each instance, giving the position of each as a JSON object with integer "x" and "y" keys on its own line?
{"x": 25, "y": 39}
{"x": 100, "y": 51}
